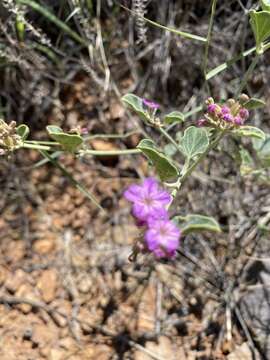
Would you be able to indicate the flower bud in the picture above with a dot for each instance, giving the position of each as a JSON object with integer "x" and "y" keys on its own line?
{"x": 244, "y": 113}
{"x": 238, "y": 120}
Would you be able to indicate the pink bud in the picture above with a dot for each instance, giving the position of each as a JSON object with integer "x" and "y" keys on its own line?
{"x": 225, "y": 110}
{"x": 238, "y": 120}
{"x": 201, "y": 122}
{"x": 227, "y": 117}
{"x": 211, "y": 109}
{"x": 244, "y": 113}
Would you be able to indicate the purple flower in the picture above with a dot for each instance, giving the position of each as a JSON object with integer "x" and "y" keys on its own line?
{"x": 151, "y": 104}
{"x": 225, "y": 110}
{"x": 227, "y": 117}
{"x": 244, "y": 113}
{"x": 162, "y": 238}
{"x": 238, "y": 120}
{"x": 211, "y": 108}
{"x": 149, "y": 200}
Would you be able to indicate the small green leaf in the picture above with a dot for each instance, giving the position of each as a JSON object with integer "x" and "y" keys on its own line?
{"x": 260, "y": 23}
{"x": 135, "y": 103}
{"x": 195, "y": 222}
{"x": 175, "y": 116}
{"x": 69, "y": 142}
{"x": 265, "y": 4}
{"x": 254, "y": 103}
{"x": 164, "y": 166}
{"x": 250, "y": 131}
{"x": 23, "y": 131}
{"x": 194, "y": 142}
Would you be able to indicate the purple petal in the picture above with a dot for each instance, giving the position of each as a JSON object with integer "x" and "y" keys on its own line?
{"x": 133, "y": 193}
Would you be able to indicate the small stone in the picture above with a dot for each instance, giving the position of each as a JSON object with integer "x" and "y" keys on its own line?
{"x": 44, "y": 246}
{"x": 57, "y": 354}
{"x": 47, "y": 285}
{"x": 15, "y": 280}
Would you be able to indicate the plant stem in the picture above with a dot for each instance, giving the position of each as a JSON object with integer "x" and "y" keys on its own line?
{"x": 168, "y": 137}
{"x": 109, "y": 153}
{"x": 208, "y": 39}
{"x": 247, "y": 75}
{"x": 36, "y": 146}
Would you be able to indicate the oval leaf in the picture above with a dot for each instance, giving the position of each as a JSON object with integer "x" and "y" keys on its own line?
{"x": 250, "y": 131}
{"x": 23, "y": 131}
{"x": 173, "y": 117}
{"x": 265, "y": 4}
{"x": 164, "y": 166}
{"x": 194, "y": 142}
{"x": 195, "y": 222}
{"x": 260, "y": 23}
{"x": 68, "y": 141}
{"x": 135, "y": 103}
{"x": 254, "y": 103}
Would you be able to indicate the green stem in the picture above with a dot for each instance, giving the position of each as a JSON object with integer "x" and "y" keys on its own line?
{"x": 247, "y": 75}
{"x": 36, "y": 147}
{"x": 168, "y": 137}
{"x": 208, "y": 39}
{"x": 109, "y": 153}
{"x": 41, "y": 142}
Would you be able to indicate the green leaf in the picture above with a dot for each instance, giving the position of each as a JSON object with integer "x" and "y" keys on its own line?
{"x": 136, "y": 104}
{"x": 164, "y": 166}
{"x": 175, "y": 116}
{"x": 195, "y": 222}
{"x": 250, "y": 131}
{"x": 194, "y": 142}
{"x": 254, "y": 103}
{"x": 265, "y": 4}
{"x": 23, "y": 131}
{"x": 69, "y": 142}
{"x": 260, "y": 23}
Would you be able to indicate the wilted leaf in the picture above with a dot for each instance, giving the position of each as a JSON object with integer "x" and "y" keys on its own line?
{"x": 164, "y": 166}
{"x": 23, "y": 131}
{"x": 250, "y": 131}
{"x": 260, "y": 23}
{"x": 175, "y": 116}
{"x": 195, "y": 141}
{"x": 68, "y": 141}
{"x": 196, "y": 222}
{"x": 254, "y": 103}
{"x": 135, "y": 103}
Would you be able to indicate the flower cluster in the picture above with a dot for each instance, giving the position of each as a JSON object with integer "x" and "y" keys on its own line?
{"x": 9, "y": 139}
{"x": 150, "y": 210}
{"x": 227, "y": 116}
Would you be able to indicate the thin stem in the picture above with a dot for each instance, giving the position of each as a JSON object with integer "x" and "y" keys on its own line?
{"x": 208, "y": 39}
{"x": 41, "y": 142}
{"x": 109, "y": 153}
{"x": 168, "y": 137}
{"x": 36, "y": 147}
{"x": 247, "y": 75}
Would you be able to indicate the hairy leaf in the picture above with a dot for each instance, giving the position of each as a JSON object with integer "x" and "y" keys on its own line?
{"x": 260, "y": 23}
{"x": 250, "y": 131}
{"x": 69, "y": 142}
{"x": 195, "y": 223}
{"x": 254, "y": 103}
{"x": 175, "y": 116}
{"x": 135, "y": 103}
{"x": 194, "y": 142}
{"x": 164, "y": 166}
{"x": 23, "y": 131}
